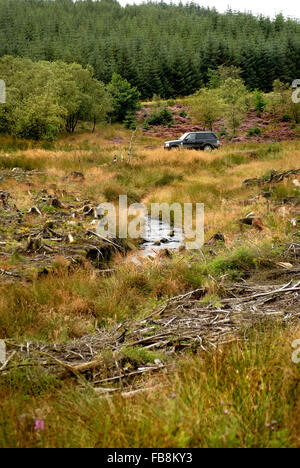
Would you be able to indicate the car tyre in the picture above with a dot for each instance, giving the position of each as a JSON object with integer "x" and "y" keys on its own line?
{"x": 207, "y": 148}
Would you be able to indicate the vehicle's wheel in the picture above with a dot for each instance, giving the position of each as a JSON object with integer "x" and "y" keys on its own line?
{"x": 174, "y": 147}
{"x": 207, "y": 148}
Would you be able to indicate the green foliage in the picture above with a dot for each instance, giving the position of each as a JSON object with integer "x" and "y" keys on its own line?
{"x": 223, "y": 131}
{"x": 31, "y": 381}
{"x": 259, "y": 102}
{"x": 216, "y": 78}
{"x": 160, "y": 117}
{"x": 139, "y": 355}
{"x": 230, "y": 398}
{"x": 279, "y": 103}
{"x": 43, "y": 98}
{"x": 162, "y": 49}
{"x": 254, "y": 131}
{"x": 125, "y": 98}
{"x": 234, "y": 94}
{"x": 129, "y": 121}
{"x": 208, "y": 107}
{"x": 27, "y": 164}
{"x": 171, "y": 102}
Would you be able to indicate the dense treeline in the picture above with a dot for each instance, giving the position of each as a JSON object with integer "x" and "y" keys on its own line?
{"x": 43, "y": 98}
{"x": 161, "y": 49}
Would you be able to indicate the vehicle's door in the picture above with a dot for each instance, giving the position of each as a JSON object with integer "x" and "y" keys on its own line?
{"x": 190, "y": 141}
{"x": 202, "y": 139}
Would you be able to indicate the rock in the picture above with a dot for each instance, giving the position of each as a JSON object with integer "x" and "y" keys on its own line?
{"x": 157, "y": 243}
{"x": 136, "y": 261}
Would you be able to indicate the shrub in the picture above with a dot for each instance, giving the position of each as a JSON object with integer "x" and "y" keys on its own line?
{"x": 126, "y": 99}
{"x": 171, "y": 102}
{"x": 161, "y": 117}
{"x": 129, "y": 121}
{"x": 254, "y": 131}
{"x": 223, "y": 131}
{"x": 259, "y": 102}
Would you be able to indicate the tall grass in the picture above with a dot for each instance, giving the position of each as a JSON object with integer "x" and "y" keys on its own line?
{"x": 244, "y": 395}
{"x": 229, "y": 398}
{"x": 66, "y": 304}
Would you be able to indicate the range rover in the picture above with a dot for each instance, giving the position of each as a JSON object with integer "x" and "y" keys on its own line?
{"x": 206, "y": 141}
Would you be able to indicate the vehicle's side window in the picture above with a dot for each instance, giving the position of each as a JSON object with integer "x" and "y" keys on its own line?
{"x": 191, "y": 138}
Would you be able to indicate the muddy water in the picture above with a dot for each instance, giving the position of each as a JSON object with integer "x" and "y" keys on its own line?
{"x": 159, "y": 235}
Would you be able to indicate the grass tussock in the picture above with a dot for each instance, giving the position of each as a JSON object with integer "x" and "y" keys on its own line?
{"x": 245, "y": 395}
{"x": 68, "y": 304}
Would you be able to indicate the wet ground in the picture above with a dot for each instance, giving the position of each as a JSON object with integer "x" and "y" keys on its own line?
{"x": 159, "y": 235}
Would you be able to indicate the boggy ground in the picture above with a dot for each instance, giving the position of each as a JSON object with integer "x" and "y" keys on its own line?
{"x": 58, "y": 285}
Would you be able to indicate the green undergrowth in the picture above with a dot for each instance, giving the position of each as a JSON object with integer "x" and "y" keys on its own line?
{"x": 244, "y": 395}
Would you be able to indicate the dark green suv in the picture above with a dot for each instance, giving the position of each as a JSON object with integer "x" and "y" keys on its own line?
{"x": 206, "y": 141}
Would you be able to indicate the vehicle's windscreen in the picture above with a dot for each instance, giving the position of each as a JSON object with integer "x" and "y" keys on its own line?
{"x": 183, "y": 136}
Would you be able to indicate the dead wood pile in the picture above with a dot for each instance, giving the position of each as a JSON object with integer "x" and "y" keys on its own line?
{"x": 274, "y": 176}
{"x": 182, "y": 322}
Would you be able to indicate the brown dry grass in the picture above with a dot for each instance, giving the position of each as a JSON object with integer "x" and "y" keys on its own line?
{"x": 70, "y": 303}
{"x": 245, "y": 395}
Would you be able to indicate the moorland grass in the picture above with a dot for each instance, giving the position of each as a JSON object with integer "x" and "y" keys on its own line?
{"x": 229, "y": 398}
{"x": 244, "y": 395}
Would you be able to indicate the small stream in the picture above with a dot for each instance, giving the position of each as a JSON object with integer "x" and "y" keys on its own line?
{"x": 159, "y": 235}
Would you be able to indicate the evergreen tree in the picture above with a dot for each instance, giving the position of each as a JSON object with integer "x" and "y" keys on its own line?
{"x": 157, "y": 47}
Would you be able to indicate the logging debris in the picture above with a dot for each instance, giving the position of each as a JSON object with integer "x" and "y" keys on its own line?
{"x": 181, "y": 323}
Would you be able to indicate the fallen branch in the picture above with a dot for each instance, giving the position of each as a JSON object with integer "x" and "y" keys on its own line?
{"x": 103, "y": 238}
